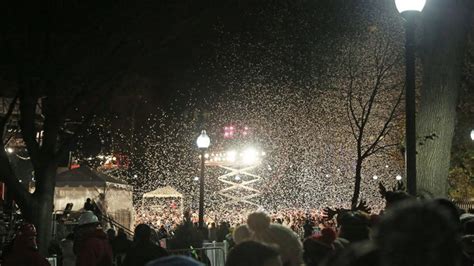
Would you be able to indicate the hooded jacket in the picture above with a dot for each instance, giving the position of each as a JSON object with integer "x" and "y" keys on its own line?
{"x": 93, "y": 249}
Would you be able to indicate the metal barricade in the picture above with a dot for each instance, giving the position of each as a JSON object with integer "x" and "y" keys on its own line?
{"x": 52, "y": 261}
{"x": 215, "y": 258}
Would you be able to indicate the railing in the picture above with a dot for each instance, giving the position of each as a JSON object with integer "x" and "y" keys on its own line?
{"x": 214, "y": 256}
{"x": 105, "y": 219}
{"x": 464, "y": 204}
{"x": 114, "y": 224}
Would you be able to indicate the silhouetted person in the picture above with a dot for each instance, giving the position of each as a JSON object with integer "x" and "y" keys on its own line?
{"x": 252, "y": 253}
{"x": 24, "y": 250}
{"x": 143, "y": 250}
{"x": 418, "y": 234}
{"x": 91, "y": 244}
{"x": 120, "y": 246}
{"x": 88, "y": 205}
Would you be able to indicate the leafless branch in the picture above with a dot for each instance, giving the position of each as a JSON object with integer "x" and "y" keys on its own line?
{"x": 386, "y": 127}
{"x": 379, "y": 148}
{"x": 85, "y": 123}
{"x": 27, "y": 124}
{"x": 7, "y": 116}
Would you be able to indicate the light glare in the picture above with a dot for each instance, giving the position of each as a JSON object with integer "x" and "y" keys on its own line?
{"x": 250, "y": 156}
{"x": 410, "y": 5}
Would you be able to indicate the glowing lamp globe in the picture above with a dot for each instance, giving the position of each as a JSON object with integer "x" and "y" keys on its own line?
{"x": 410, "y": 5}
{"x": 203, "y": 141}
{"x": 398, "y": 177}
{"x": 472, "y": 134}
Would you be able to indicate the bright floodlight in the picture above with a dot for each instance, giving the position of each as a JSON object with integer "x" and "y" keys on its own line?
{"x": 398, "y": 177}
{"x": 375, "y": 177}
{"x": 249, "y": 156}
{"x": 410, "y": 5}
{"x": 196, "y": 178}
{"x": 231, "y": 156}
{"x": 472, "y": 134}
{"x": 10, "y": 149}
{"x": 203, "y": 141}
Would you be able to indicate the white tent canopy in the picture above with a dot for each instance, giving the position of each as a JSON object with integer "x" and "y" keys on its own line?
{"x": 163, "y": 192}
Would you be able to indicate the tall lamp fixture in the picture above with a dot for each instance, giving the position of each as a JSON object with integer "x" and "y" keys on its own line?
{"x": 203, "y": 142}
{"x": 410, "y": 10}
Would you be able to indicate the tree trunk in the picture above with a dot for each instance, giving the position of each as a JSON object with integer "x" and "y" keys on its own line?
{"x": 443, "y": 46}
{"x": 43, "y": 207}
{"x": 358, "y": 179}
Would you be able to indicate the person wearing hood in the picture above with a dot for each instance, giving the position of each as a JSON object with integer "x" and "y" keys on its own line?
{"x": 91, "y": 244}
{"x": 25, "y": 251}
{"x": 143, "y": 249}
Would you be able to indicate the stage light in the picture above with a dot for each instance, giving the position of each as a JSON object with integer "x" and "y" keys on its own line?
{"x": 375, "y": 177}
{"x": 250, "y": 156}
{"x": 231, "y": 156}
{"x": 398, "y": 177}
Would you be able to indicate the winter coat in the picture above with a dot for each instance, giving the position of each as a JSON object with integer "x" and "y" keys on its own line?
{"x": 23, "y": 254}
{"x": 93, "y": 249}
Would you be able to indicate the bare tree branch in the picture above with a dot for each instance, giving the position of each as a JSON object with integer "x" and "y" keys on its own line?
{"x": 379, "y": 148}
{"x": 7, "y": 116}
{"x": 386, "y": 128}
{"x": 27, "y": 124}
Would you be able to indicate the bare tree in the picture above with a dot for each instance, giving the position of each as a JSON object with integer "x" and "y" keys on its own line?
{"x": 44, "y": 153}
{"x": 373, "y": 96}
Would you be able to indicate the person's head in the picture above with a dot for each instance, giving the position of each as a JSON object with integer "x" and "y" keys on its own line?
{"x": 121, "y": 233}
{"x": 26, "y": 236}
{"x": 394, "y": 197}
{"x": 252, "y": 253}
{"x": 452, "y": 210}
{"x": 316, "y": 249}
{"x": 88, "y": 221}
{"x": 111, "y": 234}
{"x": 288, "y": 243}
{"x": 418, "y": 233}
{"x": 354, "y": 226}
{"x": 88, "y": 200}
{"x": 241, "y": 233}
{"x": 142, "y": 233}
{"x": 175, "y": 260}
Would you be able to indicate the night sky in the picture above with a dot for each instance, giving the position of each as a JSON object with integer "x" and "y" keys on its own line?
{"x": 150, "y": 69}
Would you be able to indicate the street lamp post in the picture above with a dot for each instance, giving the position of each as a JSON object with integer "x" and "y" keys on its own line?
{"x": 203, "y": 142}
{"x": 410, "y": 9}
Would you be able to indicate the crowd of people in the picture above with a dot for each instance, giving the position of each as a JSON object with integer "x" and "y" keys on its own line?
{"x": 407, "y": 232}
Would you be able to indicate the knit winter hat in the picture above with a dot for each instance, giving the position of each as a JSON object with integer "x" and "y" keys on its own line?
{"x": 174, "y": 260}
{"x": 288, "y": 242}
{"x": 87, "y": 217}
